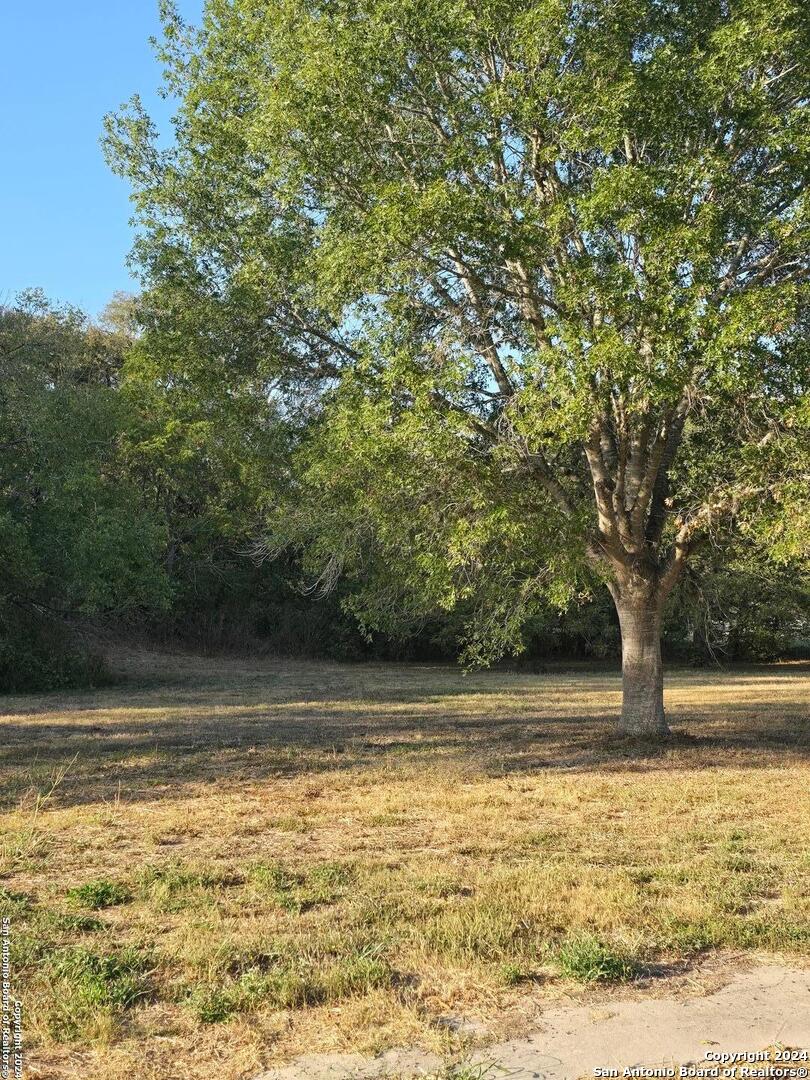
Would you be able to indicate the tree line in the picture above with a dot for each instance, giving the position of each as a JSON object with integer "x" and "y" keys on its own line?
{"x": 134, "y": 499}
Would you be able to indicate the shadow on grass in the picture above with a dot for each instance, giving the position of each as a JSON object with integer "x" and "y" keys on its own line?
{"x": 221, "y": 723}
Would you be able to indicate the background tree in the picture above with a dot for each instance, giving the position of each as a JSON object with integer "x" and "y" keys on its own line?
{"x": 75, "y": 539}
{"x": 207, "y": 453}
{"x": 548, "y": 262}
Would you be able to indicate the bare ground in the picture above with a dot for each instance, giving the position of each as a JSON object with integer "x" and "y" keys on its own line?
{"x": 755, "y": 1009}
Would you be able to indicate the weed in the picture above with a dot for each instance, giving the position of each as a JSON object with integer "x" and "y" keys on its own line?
{"x": 13, "y": 903}
{"x": 68, "y": 924}
{"x": 587, "y": 959}
{"x": 298, "y": 892}
{"x": 291, "y": 982}
{"x": 98, "y": 894}
{"x": 465, "y": 1070}
{"x": 174, "y": 887}
{"x": 512, "y": 974}
{"x": 86, "y": 985}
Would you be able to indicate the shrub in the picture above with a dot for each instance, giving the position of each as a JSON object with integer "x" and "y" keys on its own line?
{"x": 40, "y": 655}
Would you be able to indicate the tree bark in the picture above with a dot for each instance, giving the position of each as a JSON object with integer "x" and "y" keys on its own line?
{"x": 639, "y": 606}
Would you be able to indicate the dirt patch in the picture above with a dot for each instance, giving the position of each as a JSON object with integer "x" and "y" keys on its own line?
{"x": 758, "y": 1008}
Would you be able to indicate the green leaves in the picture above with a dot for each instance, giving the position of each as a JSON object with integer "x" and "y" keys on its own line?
{"x": 75, "y": 536}
{"x": 505, "y": 255}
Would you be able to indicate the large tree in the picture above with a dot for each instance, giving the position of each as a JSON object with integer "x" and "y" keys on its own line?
{"x": 548, "y": 260}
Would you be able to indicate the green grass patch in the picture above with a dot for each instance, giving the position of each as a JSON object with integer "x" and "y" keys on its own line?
{"x": 87, "y": 987}
{"x": 291, "y": 982}
{"x": 102, "y": 893}
{"x": 175, "y": 887}
{"x": 587, "y": 959}
{"x": 512, "y": 974}
{"x": 62, "y": 923}
{"x": 13, "y": 904}
{"x": 298, "y": 891}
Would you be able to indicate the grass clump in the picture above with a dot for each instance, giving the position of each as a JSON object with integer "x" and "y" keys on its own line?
{"x": 587, "y": 959}
{"x": 290, "y": 983}
{"x": 483, "y": 930}
{"x": 512, "y": 974}
{"x": 355, "y": 973}
{"x": 88, "y": 988}
{"x": 297, "y": 892}
{"x": 13, "y": 903}
{"x": 102, "y": 893}
{"x": 214, "y": 1003}
{"x": 175, "y": 887}
{"x": 39, "y": 932}
{"x": 464, "y": 1070}
{"x": 62, "y": 923}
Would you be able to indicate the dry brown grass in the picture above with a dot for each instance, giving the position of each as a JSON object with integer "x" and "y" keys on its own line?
{"x": 302, "y": 856}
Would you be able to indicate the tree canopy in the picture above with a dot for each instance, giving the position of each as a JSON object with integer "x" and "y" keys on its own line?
{"x": 70, "y": 544}
{"x": 543, "y": 265}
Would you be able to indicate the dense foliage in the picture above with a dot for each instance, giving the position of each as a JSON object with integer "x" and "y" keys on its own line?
{"x": 135, "y": 487}
{"x": 70, "y": 544}
{"x": 542, "y": 267}
{"x": 453, "y": 313}
{"x": 132, "y": 491}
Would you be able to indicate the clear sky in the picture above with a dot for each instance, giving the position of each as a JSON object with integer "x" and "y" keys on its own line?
{"x": 63, "y": 65}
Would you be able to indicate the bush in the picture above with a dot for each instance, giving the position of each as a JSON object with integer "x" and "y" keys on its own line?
{"x": 38, "y": 654}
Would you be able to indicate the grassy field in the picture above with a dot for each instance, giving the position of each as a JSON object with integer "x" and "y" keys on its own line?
{"x": 216, "y": 865}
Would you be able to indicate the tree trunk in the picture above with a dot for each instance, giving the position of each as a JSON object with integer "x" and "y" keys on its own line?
{"x": 639, "y": 608}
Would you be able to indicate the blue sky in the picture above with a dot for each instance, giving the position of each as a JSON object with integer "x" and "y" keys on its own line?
{"x": 64, "y": 215}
